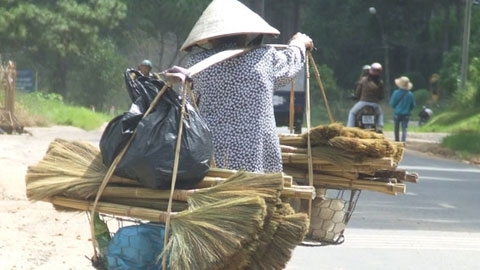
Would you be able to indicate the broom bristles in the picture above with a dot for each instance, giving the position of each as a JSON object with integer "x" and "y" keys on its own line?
{"x": 67, "y": 168}
{"x": 204, "y": 236}
{"x": 290, "y": 232}
{"x": 266, "y": 186}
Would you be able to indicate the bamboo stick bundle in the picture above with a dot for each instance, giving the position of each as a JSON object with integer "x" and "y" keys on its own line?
{"x": 292, "y": 149}
{"x": 375, "y": 186}
{"x": 295, "y": 158}
{"x": 322, "y": 134}
{"x": 300, "y": 192}
{"x": 378, "y": 185}
{"x": 155, "y": 204}
{"x": 399, "y": 151}
{"x": 339, "y": 157}
{"x": 300, "y": 175}
{"x": 368, "y": 164}
{"x": 353, "y": 169}
{"x": 226, "y": 173}
{"x": 355, "y": 132}
{"x": 76, "y": 167}
{"x": 296, "y": 191}
{"x": 295, "y": 140}
{"x": 343, "y": 174}
{"x": 385, "y": 188}
{"x": 412, "y": 177}
{"x": 158, "y": 199}
{"x": 369, "y": 147}
{"x": 400, "y": 175}
{"x": 353, "y": 173}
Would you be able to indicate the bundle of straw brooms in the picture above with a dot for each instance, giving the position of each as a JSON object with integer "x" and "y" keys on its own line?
{"x": 231, "y": 220}
{"x": 346, "y": 158}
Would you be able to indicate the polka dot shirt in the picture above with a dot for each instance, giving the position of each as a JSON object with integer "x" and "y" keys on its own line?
{"x": 235, "y": 97}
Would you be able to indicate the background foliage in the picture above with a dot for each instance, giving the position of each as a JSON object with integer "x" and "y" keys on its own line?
{"x": 80, "y": 48}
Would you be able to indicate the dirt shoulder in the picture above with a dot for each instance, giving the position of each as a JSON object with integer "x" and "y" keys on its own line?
{"x": 33, "y": 235}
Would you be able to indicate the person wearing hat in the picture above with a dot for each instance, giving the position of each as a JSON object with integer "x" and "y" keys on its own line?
{"x": 365, "y": 71}
{"x": 402, "y": 102}
{"x": 369, "y": 92}
{"x": 145, "y": 68}
{"x": 235, "y": 96}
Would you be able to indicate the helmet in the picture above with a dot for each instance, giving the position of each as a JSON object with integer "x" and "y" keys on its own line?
{"x": 147, "y": 63}
{"x": 366, "y": 67}
{"x": 376, "y": 66}
{"x": 375, "y": 69}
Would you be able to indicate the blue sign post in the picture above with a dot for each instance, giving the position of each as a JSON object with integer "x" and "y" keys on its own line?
{"x": 26, "y": 80}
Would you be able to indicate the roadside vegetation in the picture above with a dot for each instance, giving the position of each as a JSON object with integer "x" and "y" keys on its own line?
{"x": 37, "y": 109}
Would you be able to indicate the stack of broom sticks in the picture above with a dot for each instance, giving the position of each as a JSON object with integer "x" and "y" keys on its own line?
{"x": 346, "y": 158}
{"x": 244, "y": 212}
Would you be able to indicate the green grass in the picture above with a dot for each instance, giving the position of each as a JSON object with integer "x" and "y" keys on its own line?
{"x": 464, "y": 127}
{"x": 37, "y": 109}
{"x": 465, "y": 143}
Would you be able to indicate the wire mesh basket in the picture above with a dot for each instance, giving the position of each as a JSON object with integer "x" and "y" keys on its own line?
{"x": 331, "y": 212}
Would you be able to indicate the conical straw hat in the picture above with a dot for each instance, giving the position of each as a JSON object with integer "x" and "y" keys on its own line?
{"x": 226, "y": 18}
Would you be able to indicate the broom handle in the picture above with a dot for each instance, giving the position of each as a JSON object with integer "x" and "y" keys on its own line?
{"x": 291, "y": 110}
{"x": 309, "y": 145}
{"x": 112, "y": 208}
{"x": 317, "y": 75}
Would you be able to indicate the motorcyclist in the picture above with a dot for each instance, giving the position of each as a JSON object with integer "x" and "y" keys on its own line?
{"x": 369, "y": 91}
{"x": 365, "y": 70}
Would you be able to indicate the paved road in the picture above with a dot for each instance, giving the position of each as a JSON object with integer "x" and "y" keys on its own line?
{"x": 435, "y": 225}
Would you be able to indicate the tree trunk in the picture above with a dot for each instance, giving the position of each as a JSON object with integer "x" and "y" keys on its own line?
{"x": 60, "y": 81}
{"x": 446, "y": 28}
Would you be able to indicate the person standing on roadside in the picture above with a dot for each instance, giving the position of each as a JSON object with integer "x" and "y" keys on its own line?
{"x": 402, "y": 102}
{"x": 235, "y": 96}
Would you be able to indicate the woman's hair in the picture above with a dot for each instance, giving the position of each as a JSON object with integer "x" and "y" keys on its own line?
{"x": 238, "y": 40}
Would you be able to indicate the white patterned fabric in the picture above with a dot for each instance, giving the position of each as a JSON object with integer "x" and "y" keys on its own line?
{"x": 235, "y": 97}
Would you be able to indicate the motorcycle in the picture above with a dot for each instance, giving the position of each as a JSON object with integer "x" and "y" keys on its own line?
{"x": 366, "y": 117}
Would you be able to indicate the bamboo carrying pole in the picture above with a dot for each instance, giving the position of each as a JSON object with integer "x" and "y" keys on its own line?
{"x": 309, "y": 145}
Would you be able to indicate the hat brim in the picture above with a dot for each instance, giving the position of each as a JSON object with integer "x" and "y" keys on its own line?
{"x": 398, "y": 83}
{"x": 224, "y": 18}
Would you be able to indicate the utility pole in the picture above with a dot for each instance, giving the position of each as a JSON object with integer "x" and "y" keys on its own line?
{"x": 373, "y": 11}
{"x": 465, "y": 44}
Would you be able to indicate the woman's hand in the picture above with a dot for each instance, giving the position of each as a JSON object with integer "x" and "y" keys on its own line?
{"x": 304, "y": 39}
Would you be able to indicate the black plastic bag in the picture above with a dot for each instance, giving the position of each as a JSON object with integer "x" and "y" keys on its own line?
{"x": 150, "y": 157}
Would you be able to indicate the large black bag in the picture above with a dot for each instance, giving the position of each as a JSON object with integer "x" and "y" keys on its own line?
{"x": 150, "y": 156}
